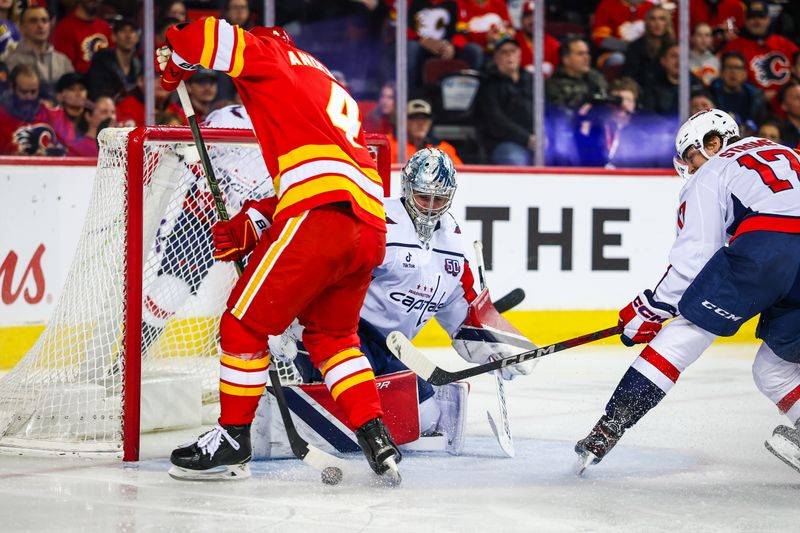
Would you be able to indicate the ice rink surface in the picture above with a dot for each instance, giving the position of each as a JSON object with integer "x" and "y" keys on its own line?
{"x": 696, "y": 463}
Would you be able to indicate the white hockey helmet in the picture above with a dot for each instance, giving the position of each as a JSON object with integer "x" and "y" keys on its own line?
{"x": 692, "y": 132}
{"x": 428, "y": 175}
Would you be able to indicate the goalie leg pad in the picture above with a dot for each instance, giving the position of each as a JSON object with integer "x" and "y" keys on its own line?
{"x": 452, "y": 402}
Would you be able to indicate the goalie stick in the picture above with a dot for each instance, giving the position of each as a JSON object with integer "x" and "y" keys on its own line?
{"x": 304, "y": 451}
{"x": 503, "y": 432}
{"x": 421, "y": 365}
{"x": 509, "y": 301}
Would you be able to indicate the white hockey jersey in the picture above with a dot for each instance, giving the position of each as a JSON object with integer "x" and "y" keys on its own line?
{"x": 413, "y": 283}
{"x": 750, "y": 176}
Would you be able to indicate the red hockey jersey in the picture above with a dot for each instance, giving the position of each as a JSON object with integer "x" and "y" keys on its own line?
{"x": 476, "y": 19}
{"x": 50, "y": 132}
{"x": 769, "y": 61}
{"x": 619, "y": 19}
{"x": 80, "y": 39}
{"x": 308, "y": 126}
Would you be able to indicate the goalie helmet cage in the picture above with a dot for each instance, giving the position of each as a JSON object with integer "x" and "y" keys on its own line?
{"x": 132, "y": 342}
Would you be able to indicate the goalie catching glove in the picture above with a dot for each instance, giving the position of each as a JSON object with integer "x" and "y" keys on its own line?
{"x": 237, "y": 237}
{"x": 643, "y": 317}
{"x": 486, "y": 336}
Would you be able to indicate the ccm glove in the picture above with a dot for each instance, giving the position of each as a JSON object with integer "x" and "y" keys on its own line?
{"x": 643, "y": 317}
{"x": 237, "y": 237}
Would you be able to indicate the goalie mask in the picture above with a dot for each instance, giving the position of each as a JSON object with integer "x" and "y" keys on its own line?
{"x": 693, "y": 131}
{"x": 429, "y": 184}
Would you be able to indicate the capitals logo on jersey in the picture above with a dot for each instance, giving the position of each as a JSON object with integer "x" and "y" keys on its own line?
{"x": 772, "y": 68}
{"x": 37, "y": 139}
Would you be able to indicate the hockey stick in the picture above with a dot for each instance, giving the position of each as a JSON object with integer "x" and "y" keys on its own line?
{"x": 503, "y": 433}
{"x": 308, "y": 453}
{"x": 421, "y": 365}
{"x": 509, "y": 301}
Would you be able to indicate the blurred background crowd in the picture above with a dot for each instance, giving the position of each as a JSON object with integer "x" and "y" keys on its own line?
{"x": 68, "y": 68}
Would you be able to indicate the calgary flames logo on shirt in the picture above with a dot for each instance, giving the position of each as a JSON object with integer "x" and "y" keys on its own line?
{"x": 92, "y": 44}
{"x": 771, "y": 68}
{"x": 35, "y": 139}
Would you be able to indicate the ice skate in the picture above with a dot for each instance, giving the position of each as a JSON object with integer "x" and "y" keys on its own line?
{"x": 785, "y": 445}
{"x": 220, "y": 454}
{"x": 598, "y": 442}
{"x": 380, "y": 450}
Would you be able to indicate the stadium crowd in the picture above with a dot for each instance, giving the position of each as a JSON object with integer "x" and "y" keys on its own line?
{"x": 69, "y": 68}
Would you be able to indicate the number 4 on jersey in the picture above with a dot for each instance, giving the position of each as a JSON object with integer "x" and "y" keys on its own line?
{"x": 343, "y": 112}
{"x": 766, "y": 172}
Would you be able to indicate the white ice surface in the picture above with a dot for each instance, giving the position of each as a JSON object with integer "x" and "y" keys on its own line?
{"x": 696, "y": 463}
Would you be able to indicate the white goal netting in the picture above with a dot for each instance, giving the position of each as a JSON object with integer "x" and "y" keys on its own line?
{"x": 67, "y": 394}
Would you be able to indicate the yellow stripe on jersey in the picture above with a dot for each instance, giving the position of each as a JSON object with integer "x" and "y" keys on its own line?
{"x": 265, "y": 266}
{"x": 209, "y": 42}
{"x": 238, "y": 54}
{"x": 323, "y": 184}
{"x": 243, "y": 364}
{"x": 241, "y": 391}
{"x": 351, "y": 382}
{"x": 321, "y": 151}
{"x": 338, "y": 358}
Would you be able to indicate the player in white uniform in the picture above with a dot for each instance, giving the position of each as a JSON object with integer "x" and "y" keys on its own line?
{"x": 240, "y": 177}
{"x": 426, "y": 274}
{"x": 737, "y": 254}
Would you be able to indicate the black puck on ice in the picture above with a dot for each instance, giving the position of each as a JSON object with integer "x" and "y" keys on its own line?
{"x": 331, "y": 475}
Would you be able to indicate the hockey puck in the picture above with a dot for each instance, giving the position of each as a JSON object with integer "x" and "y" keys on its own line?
{"x": 331, "y": 475}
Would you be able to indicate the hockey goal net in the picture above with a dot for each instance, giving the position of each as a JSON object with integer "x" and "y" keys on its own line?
{"x": 132, "y": 344}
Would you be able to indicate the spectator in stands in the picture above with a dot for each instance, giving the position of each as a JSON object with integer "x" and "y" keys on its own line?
{"x": 130, "y": 109}
{"x": 81, "y": 34}
{"x": 174, "y": 9}
{"x": 381, "y": 119}
{"x": 95, "y": 117}
{"x": 662, "y": 95}
{"x": 484, "y": 21}
{"x": 771, "y": 130}
{"x": 700, "y": 100}
{"x": 767, "y": 56}
{"x": 724, "y": 16}
{"x": 202, "y": 89}
{"x": 702, "y": 61}
{"x": 602, "y": 135}
{"x": 71, "y": 95}
{"x": 238, "y": 12}
{"x": 432, "y": 33}
{"x": 9, "y": 32}
{"x": 5, "y": 86}
{"x": 167, "y": 118}
{"x": 641, "y": 56}
{"x": 525, "y": 39}
{"x": 27, "y": 126}
{"x": 575, "y": 82}
{"x": 504, "y": 106}
{"x": 420, "y": 123}
{"x": 161, "y": 28}
{"x": 790, "y": 102}
{"x": 617, "y": 23}
{"x": 114, "y": 71}
{"x": 796, "y": 66}
{"x": 732, "y": 92}
{"x": 35, "y": 49}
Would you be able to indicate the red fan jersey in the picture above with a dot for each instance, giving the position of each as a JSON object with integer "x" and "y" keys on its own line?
{"x": 308, "y": 126}
{"x": 769, "y": 61}
{"x": 80, "y": 39}
{"x": 49, "y": 133}
{"x": 729, "y": 14}
{"x": 477, "y": 19}
{"x": 551, "y": 46}
{"x": 619, "y": 19}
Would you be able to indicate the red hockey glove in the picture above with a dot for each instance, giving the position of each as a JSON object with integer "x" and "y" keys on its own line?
{"x": 237, "y": 237}
{"x": 643, "y": 317}
{"x": 171, "y": 72}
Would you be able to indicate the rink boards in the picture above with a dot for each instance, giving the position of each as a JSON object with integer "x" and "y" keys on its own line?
{"x": 580, "y": 242}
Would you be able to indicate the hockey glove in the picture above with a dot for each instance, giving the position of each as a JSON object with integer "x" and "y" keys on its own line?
{"x": 237, "y": 237}
{"x": 172, "y": 68}
{"x": 643, "y": 317}
{"x": 283, "y": 347}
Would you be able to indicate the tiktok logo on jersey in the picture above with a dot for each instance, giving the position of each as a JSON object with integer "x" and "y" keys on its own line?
{"x": 407, "y": 262}
{"x": 452, "y": 267}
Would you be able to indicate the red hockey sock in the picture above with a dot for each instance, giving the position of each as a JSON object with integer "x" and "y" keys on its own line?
{"x": 241, "y": 384}
{"x": 349, "y": 377}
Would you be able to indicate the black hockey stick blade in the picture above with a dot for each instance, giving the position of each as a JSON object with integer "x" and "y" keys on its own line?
{"x": 510, "y": 300}
{"x": 421, "y": 365}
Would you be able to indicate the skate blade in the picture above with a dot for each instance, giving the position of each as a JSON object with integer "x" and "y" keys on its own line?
{"x": 584, "y": 460}
{"x": 391, "y": 476}
{"x": 784, "y": 450}
{"x": 221, "y": 473}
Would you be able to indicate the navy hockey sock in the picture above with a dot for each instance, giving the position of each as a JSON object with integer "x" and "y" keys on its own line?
{"x": 634, "y": 397}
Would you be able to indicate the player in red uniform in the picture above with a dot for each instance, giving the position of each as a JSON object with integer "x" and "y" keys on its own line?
{"x": 314, "y": 245}
{"x": 81, "y": 33}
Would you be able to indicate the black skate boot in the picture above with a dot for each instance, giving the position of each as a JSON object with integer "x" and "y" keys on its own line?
{"x": 604, "y": 436}
{"x": 222, "y": 453}
{"x": 785, "y": 445}
{"x": 380, "y": 450}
